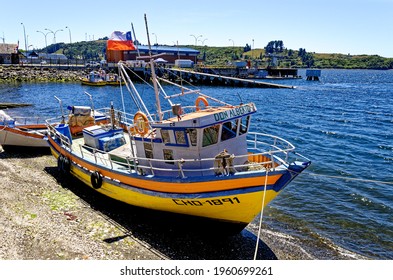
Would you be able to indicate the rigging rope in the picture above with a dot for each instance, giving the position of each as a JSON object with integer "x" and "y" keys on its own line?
{"x": 261, "y": 216}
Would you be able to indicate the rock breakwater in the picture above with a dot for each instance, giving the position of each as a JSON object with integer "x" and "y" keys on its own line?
{"x": 18, "y": 73}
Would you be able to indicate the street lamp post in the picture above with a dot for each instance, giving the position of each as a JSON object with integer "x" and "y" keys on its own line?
{"x": 69, "y": 33}
{"x": 24, "y": 32}
{"x": 202, "y": 41}
{"x": 46, "y": 43}
{"x": 54, "y": 34}
{"x": 196, "y": 38}
{"x": 155, "y": 36}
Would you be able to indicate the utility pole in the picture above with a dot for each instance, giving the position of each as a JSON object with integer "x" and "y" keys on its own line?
{"x": 24, "y": 32}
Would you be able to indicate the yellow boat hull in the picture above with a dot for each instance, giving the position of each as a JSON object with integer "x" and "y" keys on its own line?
{"x": 238, "y": 206}
{"x": 88, "y": 83}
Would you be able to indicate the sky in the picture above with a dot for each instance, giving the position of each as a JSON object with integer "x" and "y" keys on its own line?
{"x": 324, "y": 26}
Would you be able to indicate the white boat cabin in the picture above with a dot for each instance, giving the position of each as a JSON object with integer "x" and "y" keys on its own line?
{"x": 199, "y": 141}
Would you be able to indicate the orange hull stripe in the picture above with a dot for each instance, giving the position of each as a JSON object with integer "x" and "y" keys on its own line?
{"x": 191, "y": 187}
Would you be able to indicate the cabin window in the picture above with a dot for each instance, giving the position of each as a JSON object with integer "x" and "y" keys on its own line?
{"x": 244, "y": 122}
{"x": 165, "y": 136}
{"x": 148, "y": 150}
{"x": 180, "y": 137}
{"x": 192, "y": 133}
{"x": 210, "y": 135}
{"x": 168, "y": 155}
{"x": 229, "y": 130}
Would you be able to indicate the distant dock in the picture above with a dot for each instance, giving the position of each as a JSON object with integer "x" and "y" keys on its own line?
{"x": 200, "y": 78}
{"x": 13, "y": 105}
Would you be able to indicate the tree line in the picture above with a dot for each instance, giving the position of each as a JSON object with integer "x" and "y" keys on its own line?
{"x": 224, "y": 56}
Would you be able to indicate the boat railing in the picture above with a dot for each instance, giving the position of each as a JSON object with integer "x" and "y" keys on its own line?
{"x": 65, "y": 142}
{"x": 259, "y": 143}
{"x": 265, "y": 152}
{"x": 28, "y": 120}
{"x": 125, "y": 118}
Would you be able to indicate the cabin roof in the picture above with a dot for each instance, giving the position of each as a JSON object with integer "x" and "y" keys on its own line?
{"x": 209, "y": 116}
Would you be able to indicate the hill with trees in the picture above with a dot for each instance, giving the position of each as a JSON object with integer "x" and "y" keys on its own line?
{"x": 274, "y": 54}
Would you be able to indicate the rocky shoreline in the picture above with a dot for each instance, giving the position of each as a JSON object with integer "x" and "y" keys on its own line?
{"x": 44, "y": 215}
{"x": 18, "y": 73}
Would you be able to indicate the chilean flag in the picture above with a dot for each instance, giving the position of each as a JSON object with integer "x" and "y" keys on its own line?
{"x": 120, "y": 41}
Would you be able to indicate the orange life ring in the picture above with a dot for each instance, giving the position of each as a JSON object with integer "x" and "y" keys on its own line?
{"x": 141, "y": 123}
{"x": 198, "y": 100}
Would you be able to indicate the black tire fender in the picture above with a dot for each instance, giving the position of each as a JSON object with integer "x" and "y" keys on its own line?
{"x": 60, "y": 163}
{"x": 96, "y": 180}
{"x": 66, "y": 165}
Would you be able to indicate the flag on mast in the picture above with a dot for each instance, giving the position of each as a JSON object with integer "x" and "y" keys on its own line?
{"x": 120, "y": 41}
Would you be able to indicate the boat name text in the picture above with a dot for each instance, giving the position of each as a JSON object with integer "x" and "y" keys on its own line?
{"x": 242, "y": 110}
{"x": 212, "y": 202}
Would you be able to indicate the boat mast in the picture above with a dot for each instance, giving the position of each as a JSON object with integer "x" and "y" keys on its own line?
{"x": 133, "y": 31}
{"x": 153, "y": 75}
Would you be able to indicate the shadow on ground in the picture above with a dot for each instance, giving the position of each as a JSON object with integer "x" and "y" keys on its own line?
{"x": 175, "y": 236}
{"x": 22, "y": 152}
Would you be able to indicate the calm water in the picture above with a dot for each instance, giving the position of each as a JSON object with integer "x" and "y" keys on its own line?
{"x": 344, "y": 124}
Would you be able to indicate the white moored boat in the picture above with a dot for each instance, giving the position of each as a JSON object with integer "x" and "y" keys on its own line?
{"x": 22, "y": 131}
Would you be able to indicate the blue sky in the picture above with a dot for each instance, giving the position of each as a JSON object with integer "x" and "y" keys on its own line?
{"x": 331, "y": 26}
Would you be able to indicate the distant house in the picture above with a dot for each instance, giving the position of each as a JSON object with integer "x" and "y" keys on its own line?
{"x": 168, "y": 53}
{"x": 52, "y": 58}
{"x": 9, "y": 54}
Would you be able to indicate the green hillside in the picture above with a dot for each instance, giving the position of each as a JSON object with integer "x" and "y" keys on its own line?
{"x": 222, "y": 56}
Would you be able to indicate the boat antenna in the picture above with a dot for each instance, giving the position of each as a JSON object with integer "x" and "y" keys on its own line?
{"x": 61, "y": 108}
{"x": 178, "y": 57}
{"x": 153, "y": 74}
{"x": 92, "y": 105}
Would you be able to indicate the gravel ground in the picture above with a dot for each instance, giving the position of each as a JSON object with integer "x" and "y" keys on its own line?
{"x": 46, "y": 216}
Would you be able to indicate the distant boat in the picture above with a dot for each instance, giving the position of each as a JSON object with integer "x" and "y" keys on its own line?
{"x": 113, "y": 80}
{"x": 22, "y": 133}
{"x": 93, "y": 79}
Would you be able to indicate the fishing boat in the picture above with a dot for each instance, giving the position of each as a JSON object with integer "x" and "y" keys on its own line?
{"x": 199, "y": 159}
{"x": 113, "y": 80}
{"x": 22, "y": 131}
{"x": 93, "y": 79}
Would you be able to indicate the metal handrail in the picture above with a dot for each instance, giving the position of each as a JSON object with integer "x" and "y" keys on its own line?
{"x": 273, "y": 148}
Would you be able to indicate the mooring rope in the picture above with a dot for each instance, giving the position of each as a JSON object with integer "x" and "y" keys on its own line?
{"x": 261, "y": 216}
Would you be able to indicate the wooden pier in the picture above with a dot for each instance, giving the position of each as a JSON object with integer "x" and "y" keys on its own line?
{"x": 199, "y": 78}
{"x": 313, "y": 74}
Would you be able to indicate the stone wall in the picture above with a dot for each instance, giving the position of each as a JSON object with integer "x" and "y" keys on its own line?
{"x": 17, "y": 73}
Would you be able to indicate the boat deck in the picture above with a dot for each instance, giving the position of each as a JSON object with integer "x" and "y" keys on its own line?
{"x": 117, "y": 159}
